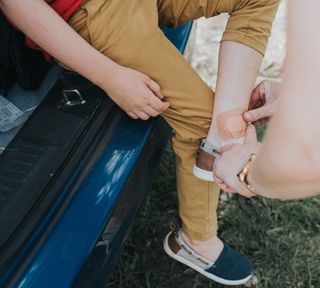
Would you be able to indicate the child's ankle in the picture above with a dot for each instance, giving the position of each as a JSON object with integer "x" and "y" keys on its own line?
{"x": 219, "y": 144}
{"x": 214, "y": 139}
{"x": 233, "y": 141}
{"x": 217, "y": 141}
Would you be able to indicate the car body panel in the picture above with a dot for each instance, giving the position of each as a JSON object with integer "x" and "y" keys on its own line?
{"x": 100, "y": 214}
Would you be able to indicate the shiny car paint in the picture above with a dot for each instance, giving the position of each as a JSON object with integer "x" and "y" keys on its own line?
{"x": 86, "y": 238}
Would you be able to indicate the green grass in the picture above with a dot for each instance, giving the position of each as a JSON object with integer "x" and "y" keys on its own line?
{"x": 282, "y": 239}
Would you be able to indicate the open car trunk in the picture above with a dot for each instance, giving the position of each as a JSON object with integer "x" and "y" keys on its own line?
{"x": 36, "y": 166}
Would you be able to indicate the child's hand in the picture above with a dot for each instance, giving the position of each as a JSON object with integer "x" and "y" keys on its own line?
{"x": 138, "y": 95}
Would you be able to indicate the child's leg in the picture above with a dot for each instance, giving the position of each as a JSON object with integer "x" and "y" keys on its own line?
{"x": 244, "y": 43}
{"x": 238, "y": 69}
{"x": 133, "y": 39}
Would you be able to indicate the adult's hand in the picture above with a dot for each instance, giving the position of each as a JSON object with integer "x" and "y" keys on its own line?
{"x": 233, "y": 160}
{"x": 263, "y": 102}
{"x": 138, "y": 95}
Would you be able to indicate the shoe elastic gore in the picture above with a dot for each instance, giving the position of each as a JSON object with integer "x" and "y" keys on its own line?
{"x": 231, "y": 268}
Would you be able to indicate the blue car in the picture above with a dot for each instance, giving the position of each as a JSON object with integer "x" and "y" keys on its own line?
{"x": 73, "y": 177}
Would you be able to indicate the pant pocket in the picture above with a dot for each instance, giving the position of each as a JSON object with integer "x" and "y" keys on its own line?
{"x": 79, "y": 22}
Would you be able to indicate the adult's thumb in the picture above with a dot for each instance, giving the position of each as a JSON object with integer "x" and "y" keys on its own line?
{"x": 257, "y": 114}
{"x": 251, "y": 134}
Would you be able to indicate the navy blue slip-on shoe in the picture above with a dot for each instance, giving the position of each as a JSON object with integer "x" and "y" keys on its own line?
{"x": 231, "y": 268}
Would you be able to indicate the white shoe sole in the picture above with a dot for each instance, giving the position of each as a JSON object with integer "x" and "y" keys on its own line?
{"x": 203, "y": 174}
{"x": 200, "y": 270}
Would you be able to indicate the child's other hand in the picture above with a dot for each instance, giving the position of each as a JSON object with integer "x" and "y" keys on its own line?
{"x": 138, "y": 95}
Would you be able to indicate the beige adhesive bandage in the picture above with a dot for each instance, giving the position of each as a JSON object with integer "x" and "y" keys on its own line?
{"x": 231, "y": 124}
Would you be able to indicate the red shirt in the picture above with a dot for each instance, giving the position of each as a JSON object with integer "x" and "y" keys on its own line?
{"x": 65, "y": 8}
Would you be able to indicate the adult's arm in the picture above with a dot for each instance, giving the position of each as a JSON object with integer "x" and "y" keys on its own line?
{"x": 288, "y": 165}
{"x": 134, "y": 92}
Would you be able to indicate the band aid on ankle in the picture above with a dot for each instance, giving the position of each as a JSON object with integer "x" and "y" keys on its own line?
{"x": 231, "y": 124}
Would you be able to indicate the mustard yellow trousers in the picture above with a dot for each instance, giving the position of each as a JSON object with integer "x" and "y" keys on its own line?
{"x": 127, "y": 31}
